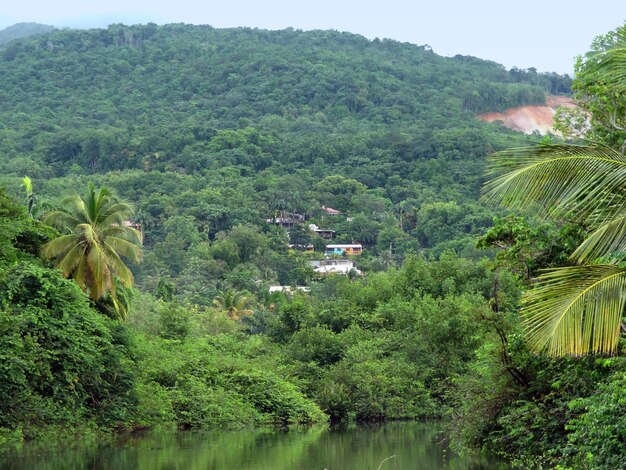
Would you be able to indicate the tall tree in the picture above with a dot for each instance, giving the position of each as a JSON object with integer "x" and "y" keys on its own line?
{"x": 95, "y": 235}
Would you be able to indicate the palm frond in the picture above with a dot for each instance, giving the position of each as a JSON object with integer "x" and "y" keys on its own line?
{"x": 125, "y": 248}
{"x": 76, "y": 206}
{"x": 117, "y": 265}
{"x": 59, "y": 219}
{"x": 610, "y": 65}
{"x": 27, "y": 184}
{"x": 576, "y": 310}
{"x": 81, "y": 274}
{"x": 589, "y": 181}
{"x": 70, "y": 260}
{"x": 127, "y": 233}
{"x": 116, "y": 306}
{"x": 607, "y": 241}
{"x": 219, "y": 301}
{"x": 101, "y": 279}
{"x": 59, "y": 246}
{"x": 88, "y": 233}
{"x": 116, "y": 214}
{"x": 233, "y": 302}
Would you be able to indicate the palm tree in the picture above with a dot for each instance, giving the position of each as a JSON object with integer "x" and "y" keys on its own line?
{"x": 575, "y": 309}
{"x": 271, "y": 300}
{"x": 387, "y": 259}
{"x": 233, "y": 302}
{"x": 116, "y": 305}
{"x": 95, "y": 235}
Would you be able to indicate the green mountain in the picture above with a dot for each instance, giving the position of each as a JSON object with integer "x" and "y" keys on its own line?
{"x": 23, "y": 30}
{"x": 207, "y": 129}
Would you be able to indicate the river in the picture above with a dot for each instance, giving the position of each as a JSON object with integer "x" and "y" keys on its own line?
{"x": 405, "y": 445}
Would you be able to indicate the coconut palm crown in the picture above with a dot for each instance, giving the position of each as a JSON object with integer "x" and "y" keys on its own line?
{"x": 233, "y": 302}
{"x": 94, "y": 238}
{"x": 577, "y": 309}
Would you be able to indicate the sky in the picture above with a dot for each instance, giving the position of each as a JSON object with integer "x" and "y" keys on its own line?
{"x": 545, "y": 34}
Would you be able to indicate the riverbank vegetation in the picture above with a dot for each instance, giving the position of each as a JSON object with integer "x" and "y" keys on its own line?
{"x": 204, "y": 148}
{"x": 379, "y": 348}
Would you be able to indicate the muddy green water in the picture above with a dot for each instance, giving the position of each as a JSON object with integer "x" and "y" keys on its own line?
{"x": 404, "y": 445}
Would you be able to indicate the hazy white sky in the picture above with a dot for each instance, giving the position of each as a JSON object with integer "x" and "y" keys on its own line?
{"x": 546, "y": 34}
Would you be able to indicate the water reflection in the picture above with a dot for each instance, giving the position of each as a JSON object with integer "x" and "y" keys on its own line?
{"x": 405, "y": 445}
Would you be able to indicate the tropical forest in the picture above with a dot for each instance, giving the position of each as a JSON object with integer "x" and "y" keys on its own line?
{"x": 240, "y": 229}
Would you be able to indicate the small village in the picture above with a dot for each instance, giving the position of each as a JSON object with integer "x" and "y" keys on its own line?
{"x": 335, "y": 256}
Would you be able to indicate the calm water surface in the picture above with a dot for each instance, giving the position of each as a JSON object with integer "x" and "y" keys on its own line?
{"x": 405, "y": 445}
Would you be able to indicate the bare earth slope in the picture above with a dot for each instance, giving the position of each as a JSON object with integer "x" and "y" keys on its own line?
{"x": 528, "y": 119}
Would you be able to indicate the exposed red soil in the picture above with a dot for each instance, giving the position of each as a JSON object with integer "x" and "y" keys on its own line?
{"x": 528, "y": 119}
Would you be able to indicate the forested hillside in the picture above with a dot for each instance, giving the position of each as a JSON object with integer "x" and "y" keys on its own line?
{"x": 206, "y": 130}
{"x": 23, "y": 30}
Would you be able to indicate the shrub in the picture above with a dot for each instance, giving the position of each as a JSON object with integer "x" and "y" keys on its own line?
{"x": 598, "y": 435}
{"x": 62, "y": 362}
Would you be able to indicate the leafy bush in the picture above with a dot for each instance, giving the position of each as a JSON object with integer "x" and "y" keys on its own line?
{"x": 63, "y": 363}
{"x": 221, "y": 381}
{"x": 380, "y": 386}
{"x": 174, "y": 321}
{"x": 597, "y": 437}
{"x": 317, "y": 344}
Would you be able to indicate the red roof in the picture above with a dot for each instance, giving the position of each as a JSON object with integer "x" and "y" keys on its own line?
{"x": 331, "y": 211}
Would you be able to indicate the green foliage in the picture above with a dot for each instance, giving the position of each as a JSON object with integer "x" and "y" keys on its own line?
{"x": 533, "y": 426}
{"x": 174, "y": 321}
{"x": 218, "y": 381}
{"x": 525, "y": 247}
{"x": 599, "y": 92}
{"x": 20, "y": 237}
{"x": 378, "y": 384}
{"x": 577, "y": 309}
{"x": 597, "y": 438}
{"x": 523, "y": 405}
{"x": 233, "y": 303}
{"x": 210, "y": 133}
{"x": 64, "y": 363}
{"x": 387, "y": 346}
{"x": 22, "y": 30}
{"x": 303, "y": 119}
{"x": 315, "y": 344}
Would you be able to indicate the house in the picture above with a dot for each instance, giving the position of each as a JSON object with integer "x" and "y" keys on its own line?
{"x": 325, "y": 234}
{"x": 334, "y": 266}
{"x": 127, "y": 223}
{"x": 288, "y": 289}
{"x": 353, "y": 249}
{"x": 331, "y": 211}
{"x": 304, "y": 248}
{"x": 286, "y": 219}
